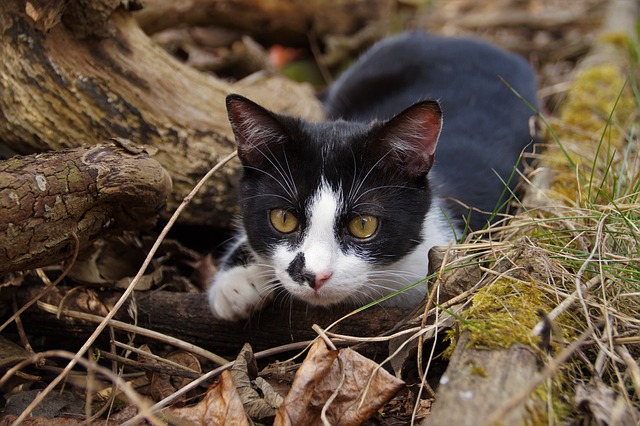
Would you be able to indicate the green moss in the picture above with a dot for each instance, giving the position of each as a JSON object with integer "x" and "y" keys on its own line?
{"x": 592, "y": 98}
{"x": 479, "y": 371}
{"x": 504, "y": 313}
{"x": 599, "y": 106}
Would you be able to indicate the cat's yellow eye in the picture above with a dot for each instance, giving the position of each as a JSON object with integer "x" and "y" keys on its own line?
{"x": 283, "y": 221}
{"x": 363, "y": 226}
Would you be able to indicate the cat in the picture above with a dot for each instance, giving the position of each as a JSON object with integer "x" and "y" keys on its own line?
{"x": 345, "y": 211}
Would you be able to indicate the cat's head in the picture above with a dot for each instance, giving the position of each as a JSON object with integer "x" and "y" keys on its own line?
{"x": 329, "y": 204}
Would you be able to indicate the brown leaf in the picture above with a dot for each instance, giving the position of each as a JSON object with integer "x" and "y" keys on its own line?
{"x": 221, "y": 405}
{"x": 345, "y": 373}
{"x": 162, "y": 384}
{"x": 52, "y": 406}
{"x": 10, "y": 353}
{"x": 243, "y": 371}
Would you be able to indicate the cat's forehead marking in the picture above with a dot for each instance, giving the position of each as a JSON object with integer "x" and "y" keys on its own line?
{"x": 320, "y": 244}
{"x": 322, "y": 210}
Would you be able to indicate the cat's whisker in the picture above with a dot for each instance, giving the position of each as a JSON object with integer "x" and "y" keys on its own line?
{"x": 350, "y": 195}
{"x": 287, "y": 177}
{"x": 268, "y": 195}
{"x": 371, "y": 169}
{"x": 290, "y": 175}
{"x": 379, "y": 188}
{"x": 290, "y": 194}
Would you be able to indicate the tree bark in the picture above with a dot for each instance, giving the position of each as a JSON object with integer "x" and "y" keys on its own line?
{"x": 289, "y": 22}
{"x": 63, "y": 83}
{"x": 49, "y": 198}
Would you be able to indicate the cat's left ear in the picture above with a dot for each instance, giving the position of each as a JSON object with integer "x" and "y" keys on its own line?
{"x": 411, "y": 137}
{"x": 255, "y": 129}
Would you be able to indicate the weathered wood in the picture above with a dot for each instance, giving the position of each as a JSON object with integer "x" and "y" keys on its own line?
{"x": 188, "y": 317}
{"x": 59, "y": 89}
{"x": 478, "y": 381}
{"x": 288, "y": 22}
{"x": 48, "y": 200}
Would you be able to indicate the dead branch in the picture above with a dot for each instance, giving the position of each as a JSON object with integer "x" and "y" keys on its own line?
{"x": 48, "y": 200}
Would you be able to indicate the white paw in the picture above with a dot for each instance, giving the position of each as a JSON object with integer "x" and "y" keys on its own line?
{"x": 238, "y": 291}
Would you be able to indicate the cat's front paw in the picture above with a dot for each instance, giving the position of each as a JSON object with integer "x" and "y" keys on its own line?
{"x": 238, "y": 291}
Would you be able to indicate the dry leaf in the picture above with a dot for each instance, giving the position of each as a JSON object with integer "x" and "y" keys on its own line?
{"x": 345, "y": 373}
{"x": 52, "y": 406}
{"x": 162, "y": 384}
{"x": 221, "y": 405}
{"x": 269, "y": 394}
{"x": 243, "y": 371}
{"x": 10, "y": 353}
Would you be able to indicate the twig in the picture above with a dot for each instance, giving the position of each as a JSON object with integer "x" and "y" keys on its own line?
{"x": 317, "y": 57}
{"x": 360, "y": 339}
{"x": 632, "y": 365}
{"x": 50, "y": 285}
{"x": 20, "y": 328}
{"x": 583, "y": 268}
{"x": 334, "y": 394}
{"x": 112, "y": 396}
{"x": 566, "y": 303}
{"x": 89, "y": 365}
{"x": 159, "y": 359}
{"x": 323, "y": 336}
{"x": 184, "y": 372}
{"x": 427, "y": 307}
{"x": 138, "y": 330}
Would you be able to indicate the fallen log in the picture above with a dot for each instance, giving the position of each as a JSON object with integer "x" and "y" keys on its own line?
{"x": 86, "y": 72}
{"x": 57, "y": 202}
{"x": 478, "y": 381}
{"x": 187, "y": 316}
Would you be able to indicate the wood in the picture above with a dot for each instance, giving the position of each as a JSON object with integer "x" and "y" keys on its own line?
{"x": 478, "y": 381}
{"x": 187, "y": 316}
{"x": 61, "y": 87}
{"x": 288, "y": 22}
{"x": 50, "y": 200}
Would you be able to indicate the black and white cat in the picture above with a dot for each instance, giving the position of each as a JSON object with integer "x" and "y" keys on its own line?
{"x": 346, "y": 210}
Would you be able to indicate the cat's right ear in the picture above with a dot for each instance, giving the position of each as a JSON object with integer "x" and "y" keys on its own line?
{"x": 409, "y": 139}
{"x": 255, "y": 129}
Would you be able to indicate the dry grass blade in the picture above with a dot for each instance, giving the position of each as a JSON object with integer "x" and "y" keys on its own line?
{"x": 50, "y": 285}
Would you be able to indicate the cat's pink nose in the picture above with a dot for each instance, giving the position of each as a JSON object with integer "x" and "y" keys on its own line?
{"x": 321, "y": 278}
